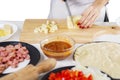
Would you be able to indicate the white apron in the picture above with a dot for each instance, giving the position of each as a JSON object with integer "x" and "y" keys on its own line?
{"x": 58, "y": 9}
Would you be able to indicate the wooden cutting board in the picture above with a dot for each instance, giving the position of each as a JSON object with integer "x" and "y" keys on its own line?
{"x": 79, "y": 35}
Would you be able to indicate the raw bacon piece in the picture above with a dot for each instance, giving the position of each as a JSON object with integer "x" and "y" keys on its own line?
{"x": 12, "y": 55}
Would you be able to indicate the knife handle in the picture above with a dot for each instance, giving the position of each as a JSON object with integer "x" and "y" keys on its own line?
{"x": 64, "y": 0}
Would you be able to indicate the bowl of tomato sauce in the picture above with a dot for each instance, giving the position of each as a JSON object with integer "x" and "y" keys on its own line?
{"x": 57, "y": 46}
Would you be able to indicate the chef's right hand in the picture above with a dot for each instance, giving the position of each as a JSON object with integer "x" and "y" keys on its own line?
{"x": 89, "y": 16}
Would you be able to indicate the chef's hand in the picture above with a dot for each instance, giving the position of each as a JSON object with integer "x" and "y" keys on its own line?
{"x": 89, "y": 16}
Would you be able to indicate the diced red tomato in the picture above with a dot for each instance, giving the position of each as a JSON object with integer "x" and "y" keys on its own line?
{"x": 69, "y": 75}
{"x": 90, "y": 77}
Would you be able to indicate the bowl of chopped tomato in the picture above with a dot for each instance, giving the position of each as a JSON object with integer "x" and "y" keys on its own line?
{"x": 67, "y": 73}
{"x": 64, "y": 73}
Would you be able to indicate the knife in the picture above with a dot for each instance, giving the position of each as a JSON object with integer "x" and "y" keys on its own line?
{"x": 69, "y": 12}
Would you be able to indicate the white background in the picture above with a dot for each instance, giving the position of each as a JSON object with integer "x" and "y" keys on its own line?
{"x": 19, "y": 10}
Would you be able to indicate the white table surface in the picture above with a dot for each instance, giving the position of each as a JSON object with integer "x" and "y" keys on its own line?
{"x": 68, "y": 61}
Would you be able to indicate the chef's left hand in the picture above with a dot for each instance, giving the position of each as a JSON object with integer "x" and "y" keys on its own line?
{"x": 89, "y": 16}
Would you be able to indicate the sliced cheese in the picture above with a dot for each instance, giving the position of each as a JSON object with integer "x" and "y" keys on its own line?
{"x": 75, "y": 22}
{"x": 7, "y": 29}
{"x": 2, "y": 33}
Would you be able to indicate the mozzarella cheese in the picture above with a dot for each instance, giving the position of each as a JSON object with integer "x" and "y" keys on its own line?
{"x": 48, "y": 27}
{"x": 75, "y": 22}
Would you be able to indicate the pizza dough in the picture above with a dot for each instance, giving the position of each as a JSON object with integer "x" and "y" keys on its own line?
{"x": 103, "y": 55}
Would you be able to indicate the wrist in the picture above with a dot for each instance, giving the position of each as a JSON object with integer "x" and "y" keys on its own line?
{"x": 100, "y": 3}
{"x": 97, "y": 5}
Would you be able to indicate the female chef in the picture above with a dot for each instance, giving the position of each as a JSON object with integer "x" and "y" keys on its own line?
{"x": 90, "y": 10}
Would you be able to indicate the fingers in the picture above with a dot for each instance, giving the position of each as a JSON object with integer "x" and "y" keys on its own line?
{"x": 85, "y": 15}
{"x": 87, "y": 20}
{"x": 88, "y": 17}
{"x": 91, "y": 21}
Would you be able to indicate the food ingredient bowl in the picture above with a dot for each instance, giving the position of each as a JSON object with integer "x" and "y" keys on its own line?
{"x": 11, "y": 29}
{"x": 57, "y": 46}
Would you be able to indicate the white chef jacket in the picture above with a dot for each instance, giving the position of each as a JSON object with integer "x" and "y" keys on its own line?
{"x": 58, "y": 9}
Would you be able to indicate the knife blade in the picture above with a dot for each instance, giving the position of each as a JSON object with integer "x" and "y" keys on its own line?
{"x": 69, "y": 12}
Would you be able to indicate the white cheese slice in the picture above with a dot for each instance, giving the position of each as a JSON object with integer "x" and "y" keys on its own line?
{"x": 75, "y": 21}
{"x": 7, "y": 29}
